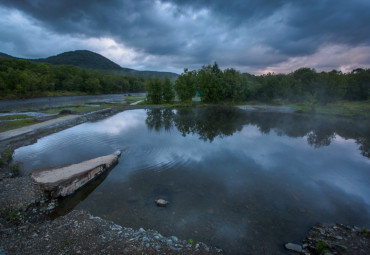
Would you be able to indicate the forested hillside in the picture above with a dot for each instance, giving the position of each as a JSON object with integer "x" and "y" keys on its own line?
{"x": 21, "y": 78}
{"x": 94, "y": 61}
{"x": 81, "y": 58}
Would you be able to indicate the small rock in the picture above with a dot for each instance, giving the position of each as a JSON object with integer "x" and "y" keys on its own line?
{"x": 161, "y": 202}
{"x": 66, "y": 111}
{"x": 293, "y": 247}
{"x": 146, "y": 239}
{"x": 321, "y": 231}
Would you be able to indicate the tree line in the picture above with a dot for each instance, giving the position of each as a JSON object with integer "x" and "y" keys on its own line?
{"x": 22, "y": 78}
{"x": 159, "y": 90}
{"x": 214, "y": 86}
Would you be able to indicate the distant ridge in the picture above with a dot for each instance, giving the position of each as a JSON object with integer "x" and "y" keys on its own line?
{"x": 82, "y": 58}
{"x": 94, "y": 61}
{"x": 4, "y": 55}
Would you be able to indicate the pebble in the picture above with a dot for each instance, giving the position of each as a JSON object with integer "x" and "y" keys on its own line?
{"x": 293, "y": 247}
{"x": 146, "y": 239}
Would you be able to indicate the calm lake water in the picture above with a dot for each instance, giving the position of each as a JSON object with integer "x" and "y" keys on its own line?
{"x": 244, "y": 181}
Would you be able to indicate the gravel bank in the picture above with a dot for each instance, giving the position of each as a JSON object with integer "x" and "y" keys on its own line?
{"x": 81, "y": 233}
{"x": 19, "y": 193}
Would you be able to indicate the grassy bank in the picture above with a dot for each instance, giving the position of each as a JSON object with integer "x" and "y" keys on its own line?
{"x": 340, "y": 108}
{"x": 44, "y": 94}
{"x": 16, "y": 122}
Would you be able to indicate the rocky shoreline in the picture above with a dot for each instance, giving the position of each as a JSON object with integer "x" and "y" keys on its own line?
{"x": 81, "y": 233}
{"x": 333, "y": 239}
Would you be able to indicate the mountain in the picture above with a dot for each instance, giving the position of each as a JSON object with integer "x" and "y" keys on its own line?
{"x": 91, "y": 60}
{"x": 94, "y": 61}
{"x": 3, "y": 55}
{"x": 81, "y": 58}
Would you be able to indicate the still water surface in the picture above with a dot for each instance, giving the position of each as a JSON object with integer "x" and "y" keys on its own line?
{"x": 247, "y": 182}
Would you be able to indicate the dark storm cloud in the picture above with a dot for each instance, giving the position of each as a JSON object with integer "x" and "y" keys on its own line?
{"x": 301, "y": 26}
{"x": 251, "y": 34}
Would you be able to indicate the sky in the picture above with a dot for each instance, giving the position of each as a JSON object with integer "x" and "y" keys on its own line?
{"x": 254, "y": 36}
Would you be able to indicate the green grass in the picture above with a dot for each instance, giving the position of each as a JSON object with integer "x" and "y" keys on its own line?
{"x": 77, "y": 108}
{"x": 15, "y": 169}
{"x": 342, "y": 108}
{"x": 9, "y": 125}
{"x": 322, "y": 247}
{"x": 64, "y": 244}
{"x": 45, "y": 94}
{"x": 8, "y": 154}
{"x": 173, "y": 104}
{"x": 12, "y": 215}
{"x": 15, "y": 116}
{"x": 365, "y": 231}
{"x": 80, "y": 108}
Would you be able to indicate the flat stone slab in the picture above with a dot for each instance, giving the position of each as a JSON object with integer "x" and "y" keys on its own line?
{"x": 65, "y": 180}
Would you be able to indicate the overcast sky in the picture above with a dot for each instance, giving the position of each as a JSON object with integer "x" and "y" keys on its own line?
{"x": 255, "y": 36}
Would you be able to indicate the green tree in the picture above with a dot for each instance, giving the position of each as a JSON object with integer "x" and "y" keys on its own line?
{"x": 210, "y": 81}
{"x": 154, "y": 90}
{"x": 234, "y": 86}
{"x": 185, "y": 85}
{"x": 168, "y": 94}
{"x": 92, "y": 85}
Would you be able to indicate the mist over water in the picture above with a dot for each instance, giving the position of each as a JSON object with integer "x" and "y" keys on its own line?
{"x": 245, "y": 181}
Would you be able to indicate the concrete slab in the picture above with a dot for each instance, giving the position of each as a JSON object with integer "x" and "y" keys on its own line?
{"x": 65, "y": 180}
{"x": 31, "y": 128}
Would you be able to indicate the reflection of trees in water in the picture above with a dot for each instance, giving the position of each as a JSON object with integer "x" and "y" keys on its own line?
{"x": 208, "y": 123}
{"x": 318, "y": 139}
{"x": 364, "y": 143}
{"x": 212, "y": 122}
{"x": 160, "y": 118}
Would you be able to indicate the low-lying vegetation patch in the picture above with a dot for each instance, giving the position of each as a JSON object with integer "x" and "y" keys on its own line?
{"x": 322, "y": 247}
{"x": 343, "y": 108}
{"x": 12, "y": 215}
{"x": 14, "y": 117}
{"x": 9, "y": 125}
